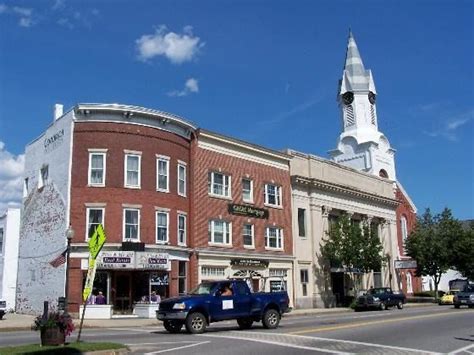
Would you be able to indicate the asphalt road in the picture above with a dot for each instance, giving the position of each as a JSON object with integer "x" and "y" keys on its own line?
{"x": 420, "y": 330}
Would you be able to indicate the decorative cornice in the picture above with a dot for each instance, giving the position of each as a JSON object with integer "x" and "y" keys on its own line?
{"x": 224, "y": 253}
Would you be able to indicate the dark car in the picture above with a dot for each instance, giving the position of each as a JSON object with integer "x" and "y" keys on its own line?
{"x": 3, "y": 308}
{"x": 216, "y": 301}
{"x": 465, "y": 297}
{"x": 380, "y": 298}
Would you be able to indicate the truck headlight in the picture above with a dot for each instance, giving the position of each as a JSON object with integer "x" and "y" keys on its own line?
{"x": 179, "y": 306}
{"x": 376, "y": 299}
{"x": 471, "y": 297}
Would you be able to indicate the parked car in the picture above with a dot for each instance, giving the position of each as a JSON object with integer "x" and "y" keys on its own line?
{"x": 447, "y": 298}
{"x": 380, "y": 298}
{"x": 465, "y": 297}
{"x": 3, "y": 308}
{"x": 216, "y": 301}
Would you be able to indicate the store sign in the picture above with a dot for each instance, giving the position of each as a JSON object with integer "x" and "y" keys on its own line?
{"x": 249, "y": 262}
{"x": 116, "y": 260}
{"x": 405, "y": 264}
{"x": 153, "y": 261}
{"x": 248, "y": 211}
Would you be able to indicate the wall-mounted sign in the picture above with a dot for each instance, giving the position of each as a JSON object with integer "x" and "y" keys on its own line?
{"x": 116, "y": 260}
{"x": 249, "y": 262}
{"x": 405, "y": 264}
{"x": 153, "y": 261}
{"x": 52, "y": 141}
{"x": 248, "y": 211}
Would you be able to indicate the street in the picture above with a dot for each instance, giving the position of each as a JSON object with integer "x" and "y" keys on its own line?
{"x": 414, "y": 330}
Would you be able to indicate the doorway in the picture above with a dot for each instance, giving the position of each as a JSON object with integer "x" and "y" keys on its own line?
{"x": 123, "y": 293}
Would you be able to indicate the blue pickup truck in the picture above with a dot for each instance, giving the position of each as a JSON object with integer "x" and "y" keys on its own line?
{"x": 215, "y": 301}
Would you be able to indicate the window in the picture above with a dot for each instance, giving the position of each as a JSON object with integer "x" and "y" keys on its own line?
{"x": 132, "y": 170}
{"x": 181, "y": 277}
{"x": 248, "y": 235}
{"x": 96, "y": 168}
{"x": 95, "y": 216}
{"x": 304, "y": 281}
{"x": 43, "y": 176}
{"x": 25, "y": 187}
{"x": 162, "y": 219}
{"x": 1, "y": 241}
{"x": 219, "y": 184}
{"x": 131, "y": 224}
{"x": 409, "y": 283}
{"x": 301, "y": 222}
{"x": 213, "y": 271}
{"x": 181, "y": 179}
{"x": 274, "y": 238}
{"x": 247, "y": 190}
{"x": 181, "y": 229}
{"x": 277, "y": 273}
{"x": 220, "y": 232}
{"x": 272, "y": 195}
{"x": 404, "y": 228}
{"x": 162, "y": 173}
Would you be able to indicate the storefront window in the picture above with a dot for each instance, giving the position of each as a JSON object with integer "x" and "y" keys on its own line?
{"x": 160, "y": 284}
{"x": 101, "y": 284}
{"x": 182, "y": 277}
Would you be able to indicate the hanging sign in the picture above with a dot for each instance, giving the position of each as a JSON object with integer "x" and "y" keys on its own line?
{"x": 248, "y": 211}
{"x": 249, "y": 262}
{"x": 405, "y": 264}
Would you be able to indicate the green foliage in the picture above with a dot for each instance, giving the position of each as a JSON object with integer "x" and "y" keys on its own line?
{"x": 463, "y": 250}
{"x": 54, "y": 320}
{"x": 71, "y": 348}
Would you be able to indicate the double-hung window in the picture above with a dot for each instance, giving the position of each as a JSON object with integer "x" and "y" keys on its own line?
{"x": 1, "y": 241}
{"x": 274, "y": 238}
{"x": 304, "y": 281}
{"x": 97, "y": 167}
{"x": 162, "y": 226}
{"x": 247, "y": 190}
{"x": 220, "y": 232}
{"x": 181, "y": 178}
{"x": 302, "y": 222}
{"x": 131, "y": 224}
{"x": 248, "y": 235}
{"x": 181, "y": 229}
{"x": 273, "y": 195}
{"x": 219, "y": 184}
{"x": 132, "y": 169}
{"x": 95, "y": 216}
{"x": 162, "y": 173}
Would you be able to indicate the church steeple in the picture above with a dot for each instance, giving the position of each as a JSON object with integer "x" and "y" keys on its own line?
{"x": 360, "y": 144}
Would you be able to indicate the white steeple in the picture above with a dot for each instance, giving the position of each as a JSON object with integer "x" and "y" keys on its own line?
{"x": 361, "y": 145}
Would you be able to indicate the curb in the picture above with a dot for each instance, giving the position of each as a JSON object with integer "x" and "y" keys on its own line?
{"x": 122, "y": 351}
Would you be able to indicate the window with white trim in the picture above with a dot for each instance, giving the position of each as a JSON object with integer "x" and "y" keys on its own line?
{"x": 181, "y": 229}
{"x": 248, "y": 235}
{"x": 404, "y": 228}
{"x": 132, "y": 170}
{"x": 409, "y": 283}
{"x": 302, "y": 222}
{"x": 219, "y": 184}
{"x": 97, "y": 166}
{"x": 304, "y": 281}
{"x": 247, "y": 190}
{"x": 274, "y": 238}
{"x": 94, "y": 217}
{"x": 213, "y": 271}
{"x": 43, "y": 176}
{"x": 131, "y": 224}
{"x": 1, "y": 241}
{"x": 277, "y": 272}
{"x": 162, "y": 173}
{"x": 181, "y": 179}
{"x": 220, "y": 232}
{"x": 162, "y": 229}
{"x": 273, "y": 195}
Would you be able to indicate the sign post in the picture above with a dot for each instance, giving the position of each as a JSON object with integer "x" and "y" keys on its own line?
{"x": 95, "y": 246}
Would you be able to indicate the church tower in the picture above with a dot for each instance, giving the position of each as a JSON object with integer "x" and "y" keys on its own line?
{"x": 361, "y": 145}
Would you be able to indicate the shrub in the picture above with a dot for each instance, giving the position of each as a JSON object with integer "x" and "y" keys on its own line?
{"x": 54, "y": 320}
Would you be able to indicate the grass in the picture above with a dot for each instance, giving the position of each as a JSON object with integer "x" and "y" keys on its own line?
{"x": 68, "y": 348}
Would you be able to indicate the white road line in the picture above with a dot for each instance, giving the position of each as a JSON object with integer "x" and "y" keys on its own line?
{"x": 351, "y": 342}
{"x": 276, "y": 343}
{"x": 139, "y": 330}
{"x": 465, "y": 349}
{"x": 162, "y": 342}
{"x": 178, "y": 348}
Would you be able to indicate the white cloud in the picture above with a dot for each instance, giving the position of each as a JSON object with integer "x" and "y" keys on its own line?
{"x": 63, "y": 21}
{"x": 191, "y": 86}
{"x": 25, "y": 22}
{"x": 25, "y": 14}
{"x": 11, "y": 178}
{"x": 178, "y": 48}
{"x": 3, "y": 8}
{"x": 22, "y": 11}
{"x": 449, "y": 128}
{"x": 58, "y": 5}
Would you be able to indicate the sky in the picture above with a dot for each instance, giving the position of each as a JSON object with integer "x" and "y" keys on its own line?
{"x": 264, "y": 71}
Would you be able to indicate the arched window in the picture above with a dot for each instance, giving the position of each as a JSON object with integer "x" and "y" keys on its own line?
{"x": 383, "y": 174}
{"x": 409, "y": 283}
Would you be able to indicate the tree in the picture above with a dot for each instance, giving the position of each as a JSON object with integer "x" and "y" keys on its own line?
{"x": 431, "y": 244}
{"x": 463, "y": 253}
{"x": 354, "y": 248}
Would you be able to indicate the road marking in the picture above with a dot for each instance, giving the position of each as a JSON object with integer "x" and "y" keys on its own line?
{"x": 178, "y": 348}
{"x": 461, "y": 350}
{"x": 276, "y": 343}
{"x": 162, "y": 342}
{"x": 359, "y": 324}
{"x": 139, "y": 330}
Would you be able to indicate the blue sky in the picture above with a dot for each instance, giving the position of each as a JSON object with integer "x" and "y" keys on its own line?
{"x": 262, "y": 71}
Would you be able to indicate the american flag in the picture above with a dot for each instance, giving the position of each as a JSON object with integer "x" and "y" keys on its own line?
{"x": 59, "y": 260}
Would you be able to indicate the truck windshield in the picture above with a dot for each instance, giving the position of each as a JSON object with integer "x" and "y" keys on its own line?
{"x": 204, "y": 288}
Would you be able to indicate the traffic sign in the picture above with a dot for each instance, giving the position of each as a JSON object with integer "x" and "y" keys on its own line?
{"x": 97, "y": 241}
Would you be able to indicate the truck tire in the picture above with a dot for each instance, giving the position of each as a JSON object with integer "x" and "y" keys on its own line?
{"x": 172, "y": 326}
{"x": 271, "y": 319}
{"x": 400, "y": 305}
{"x": 196, "y": 323}
{"x": 245, "y": 323}
{"x": 383, "y": 306}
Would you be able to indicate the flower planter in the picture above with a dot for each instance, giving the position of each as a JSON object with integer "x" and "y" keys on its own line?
{"x": 52, "y": 336}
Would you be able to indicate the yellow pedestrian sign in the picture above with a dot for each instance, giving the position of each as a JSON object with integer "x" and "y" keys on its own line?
{"x": 96, "y": 242}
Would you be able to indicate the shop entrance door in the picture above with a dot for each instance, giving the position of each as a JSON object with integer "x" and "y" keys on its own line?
{"x": 123, "y": 293}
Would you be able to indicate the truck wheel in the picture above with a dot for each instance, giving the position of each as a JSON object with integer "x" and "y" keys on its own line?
{"x": 172, "y": 326}
{"x": 383, "y": 306}
{"x": 271, "y": 319}
{"x": 245, "y": 323}
{"x": 196, "y": 323}
{"x": 400, "y": 305}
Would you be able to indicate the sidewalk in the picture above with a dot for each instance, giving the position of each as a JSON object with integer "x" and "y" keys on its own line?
{"x": 13, "y": 321}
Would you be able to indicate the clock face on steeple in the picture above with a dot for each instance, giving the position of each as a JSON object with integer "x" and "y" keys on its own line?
{"x": 371, "y": 97}
{"x": 347, "y": 98}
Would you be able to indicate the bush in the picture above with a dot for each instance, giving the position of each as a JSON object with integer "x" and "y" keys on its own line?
{"x": 353, "y": 304}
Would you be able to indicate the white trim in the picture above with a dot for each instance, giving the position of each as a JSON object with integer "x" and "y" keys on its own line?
{"x": 132, "y": 152}
{"x": 278, "y": 195}
{"x": 125, "y": 165}
{"x": 162, "y": 158}
{"x": 252, "y": 231}
{"x": 227, "y": 228}
{"x": 95, "y": 204}
{"x": 104, "y": 167}
{"x": 97, "y": 150}
{"x": 180, "y": 165}
{"x": 185, "y": 229}
{"x": 88, "y": 209}
{"x": 278, "y": 236}
{"x": 131, "y": 206}
{"x": 160, "y": 211}
{"x": 182, "y": 162}
{"x": 123, "y": 226}
{"x": 251, "y": 200}
{"x": 224, "y": 185}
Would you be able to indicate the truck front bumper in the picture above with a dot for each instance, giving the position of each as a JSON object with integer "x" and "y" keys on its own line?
{"x": 166, "y": 315}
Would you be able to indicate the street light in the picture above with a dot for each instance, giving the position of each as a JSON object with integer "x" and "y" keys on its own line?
{"x": 69, "y": 236}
